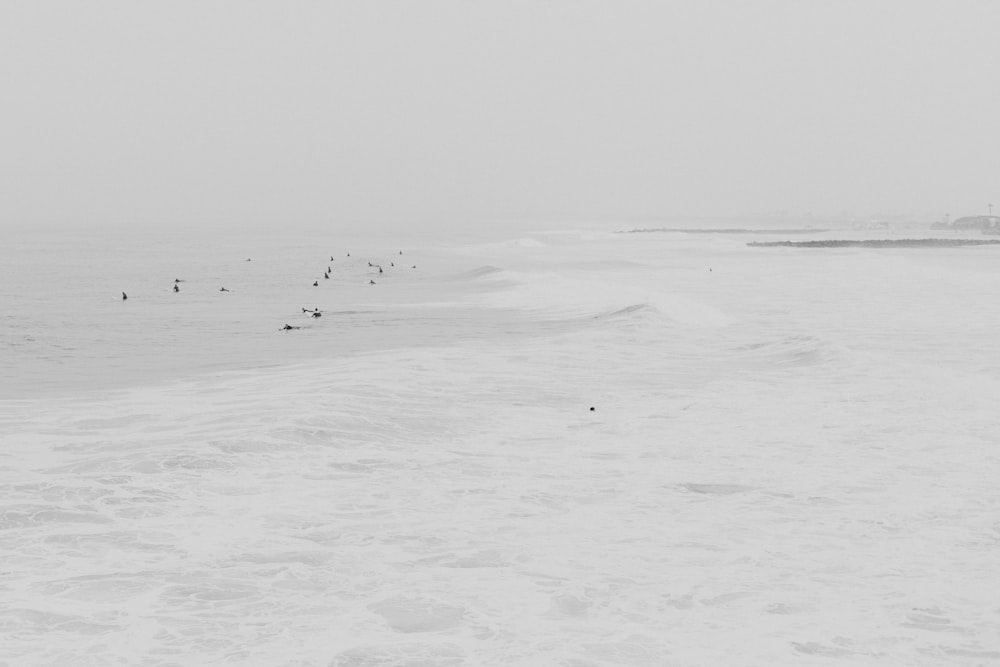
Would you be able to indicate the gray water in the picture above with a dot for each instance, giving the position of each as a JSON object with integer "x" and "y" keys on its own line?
{"x": 791, "y": 459}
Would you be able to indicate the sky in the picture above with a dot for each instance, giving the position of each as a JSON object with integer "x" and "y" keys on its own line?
{"x": 389, "y": 112}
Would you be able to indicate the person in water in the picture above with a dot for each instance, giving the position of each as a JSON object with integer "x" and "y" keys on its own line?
{"x": 124, "y": 296}
{"x": 176, "y": 288}
{"x": 315, "y": 283}
{"x": 380, "y": 269}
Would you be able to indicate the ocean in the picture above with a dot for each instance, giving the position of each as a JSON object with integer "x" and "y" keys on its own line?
{"x": 566, "y": 447}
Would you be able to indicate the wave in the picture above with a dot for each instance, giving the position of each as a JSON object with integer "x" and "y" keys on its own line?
{"x": 790, "y": 351}
{"x": 479, "y": 272}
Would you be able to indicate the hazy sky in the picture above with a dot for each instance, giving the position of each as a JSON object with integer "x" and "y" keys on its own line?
{"x": 378, "y": 111}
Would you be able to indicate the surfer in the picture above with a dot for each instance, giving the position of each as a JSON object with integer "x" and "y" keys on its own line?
{"x": 223, "y": 289}
{"x": 316, "y": 313}
{"x": 289, "y": 327}
{"x": 315, "y": 283}
{"x": 371, "y": 282}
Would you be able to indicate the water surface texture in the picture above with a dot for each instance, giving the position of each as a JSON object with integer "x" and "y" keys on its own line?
{"x": 792, "y": 458}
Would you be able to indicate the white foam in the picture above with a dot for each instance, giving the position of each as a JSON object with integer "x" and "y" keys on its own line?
{"x": 812, "y": 478}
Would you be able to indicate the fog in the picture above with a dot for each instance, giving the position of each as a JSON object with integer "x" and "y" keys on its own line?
{"x": 402, "y": 114}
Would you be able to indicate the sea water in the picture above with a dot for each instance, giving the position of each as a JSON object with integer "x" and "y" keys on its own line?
{"x": 574, "y": 447}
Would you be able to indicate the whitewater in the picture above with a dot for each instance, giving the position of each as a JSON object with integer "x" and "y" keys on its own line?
{"x": 575, "y": 447}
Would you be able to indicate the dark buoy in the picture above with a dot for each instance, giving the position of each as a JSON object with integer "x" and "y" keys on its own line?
{"x": 124, "y": 296}
{"x": 176, "y": 288}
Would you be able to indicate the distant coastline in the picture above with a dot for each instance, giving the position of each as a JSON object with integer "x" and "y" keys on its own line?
{"x": 878, "y": 243}
{"x": 722, "y": 231}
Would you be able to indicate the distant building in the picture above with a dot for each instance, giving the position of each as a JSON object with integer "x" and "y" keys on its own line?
{"x": 983, "y": 222}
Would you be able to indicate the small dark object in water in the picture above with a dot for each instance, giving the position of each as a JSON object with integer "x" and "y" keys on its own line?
{"x": 326, "y": 276}
{"x": 223, "y": 289}
{"x": 380, "y": 269}
{"x": 414, "y": 266}
{"x": 289, "y": 327}
{"x": 124, "y": 296}
{"x": 315, "y": 283}
{"x": 369, "y": 263}
{"x": 176, "y": 288}
{"x": 178, "y": 280}
{"x": 348, "y": 254}
{"x": 400, "y": 252}
{"x": 592, "y": 408}
{"x": 247, "y": 259}
{"x": 391, "y": 264}
{"x": 316, "y": 313}
{"x": 371, "y": 282}
{"x": 331, "y": 258}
